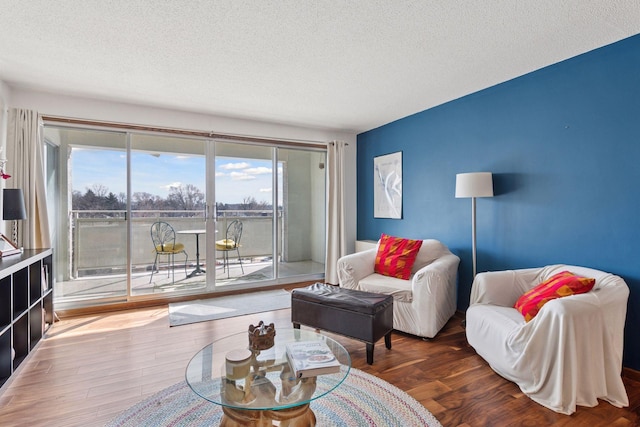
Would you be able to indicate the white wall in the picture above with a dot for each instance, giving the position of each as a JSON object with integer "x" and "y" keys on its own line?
{"x": 85, "y": 108}
{"x": 5, "y": 98}
{"x": 5, "y": 94}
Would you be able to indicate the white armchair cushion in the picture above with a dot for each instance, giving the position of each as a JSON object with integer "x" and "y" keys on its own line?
{"x": 569, "y": 354}
{"x": 398, "y": 288}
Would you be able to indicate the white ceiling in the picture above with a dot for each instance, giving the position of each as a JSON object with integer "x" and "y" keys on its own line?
{"x": 334, "y": 64}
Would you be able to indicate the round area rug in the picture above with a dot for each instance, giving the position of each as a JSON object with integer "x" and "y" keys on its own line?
{"x": 362, "y": 400}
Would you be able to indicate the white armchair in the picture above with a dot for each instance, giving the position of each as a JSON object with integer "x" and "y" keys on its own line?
{"x": 569, "y": 354}
{"x": 421, "y": 305}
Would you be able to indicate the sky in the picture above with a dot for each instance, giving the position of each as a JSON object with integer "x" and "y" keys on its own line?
{"x": 236, "y": 178}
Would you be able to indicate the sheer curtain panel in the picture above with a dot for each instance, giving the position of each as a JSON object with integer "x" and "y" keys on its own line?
{"x": 336, "y": 237}
{"x": 26, "y": 167}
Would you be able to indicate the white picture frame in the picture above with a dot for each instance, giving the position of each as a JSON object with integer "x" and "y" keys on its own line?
{"x": 387, "y": 186}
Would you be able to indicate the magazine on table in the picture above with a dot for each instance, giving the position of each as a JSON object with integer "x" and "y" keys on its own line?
{"x": 311, "y": 358}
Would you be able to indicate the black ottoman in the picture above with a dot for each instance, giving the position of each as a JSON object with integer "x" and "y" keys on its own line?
{"x": 365, "y": 316}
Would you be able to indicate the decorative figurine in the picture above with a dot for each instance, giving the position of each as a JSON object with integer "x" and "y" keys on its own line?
{"x": 261, "y": 337}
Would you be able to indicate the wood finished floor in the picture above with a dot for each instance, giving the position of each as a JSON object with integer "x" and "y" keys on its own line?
{"x": 90, "y": 368}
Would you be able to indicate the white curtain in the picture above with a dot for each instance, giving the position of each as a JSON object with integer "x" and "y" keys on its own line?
{"x": 336, "y": 234}
{"x": 26, "y": 167}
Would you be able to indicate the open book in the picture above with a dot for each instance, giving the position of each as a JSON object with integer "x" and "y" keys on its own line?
{"x": 311, "y": 358}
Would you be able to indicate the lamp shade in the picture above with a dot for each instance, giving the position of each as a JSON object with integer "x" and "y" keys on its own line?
{"x": 13, "y": 204}
{"x": 474, "y": 184}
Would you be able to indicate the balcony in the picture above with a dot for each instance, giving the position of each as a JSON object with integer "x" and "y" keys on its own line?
{"x": 96, "y": 266}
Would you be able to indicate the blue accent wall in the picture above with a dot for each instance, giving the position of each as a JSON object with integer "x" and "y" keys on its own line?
{"x": 563, "y": 144}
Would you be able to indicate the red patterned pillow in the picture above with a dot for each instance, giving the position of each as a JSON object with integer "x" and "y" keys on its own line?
{"x": 559, "y": 285}
{"x": 396, "y": 256}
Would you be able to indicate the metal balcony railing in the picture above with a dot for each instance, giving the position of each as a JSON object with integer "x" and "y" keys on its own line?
{"x": 98, "y": 237}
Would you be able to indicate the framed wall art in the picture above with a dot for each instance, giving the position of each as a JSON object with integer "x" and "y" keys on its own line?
{"x": 387, "y": 186}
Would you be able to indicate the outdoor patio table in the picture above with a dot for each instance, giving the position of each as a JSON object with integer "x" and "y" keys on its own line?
{"x": 198, "y": 270}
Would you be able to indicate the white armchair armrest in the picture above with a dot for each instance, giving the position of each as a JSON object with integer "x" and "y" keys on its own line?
{"x": 502, "y": 288}
{"x": 434, "y": 294}
{"x": 435, "y": 278}
{"x": 352, "y": 268}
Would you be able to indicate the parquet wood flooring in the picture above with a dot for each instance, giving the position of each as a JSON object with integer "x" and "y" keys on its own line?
{"x": 92, "y": 367}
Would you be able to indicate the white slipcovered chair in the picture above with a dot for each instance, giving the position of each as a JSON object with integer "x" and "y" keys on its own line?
{"x": 421, "y": 305}
{"x": 569, "y": 354}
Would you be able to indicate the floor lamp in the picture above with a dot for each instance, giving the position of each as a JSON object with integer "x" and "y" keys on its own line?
{"x": 13, "y": 209}
{"x": 474, "y": 184}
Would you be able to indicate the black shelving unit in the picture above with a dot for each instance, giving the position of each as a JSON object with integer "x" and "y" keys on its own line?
{"x": 26, "y": 306}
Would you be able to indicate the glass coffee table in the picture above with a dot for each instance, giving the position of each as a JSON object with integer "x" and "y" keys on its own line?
{"x": 258, "y": 387}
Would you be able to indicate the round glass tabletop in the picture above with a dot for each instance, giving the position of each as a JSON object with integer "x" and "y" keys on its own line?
{"x": 227, "y": 373}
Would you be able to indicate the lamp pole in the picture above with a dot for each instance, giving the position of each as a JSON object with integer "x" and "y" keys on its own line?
{"x": 473, "y": 185}
{"x": 473, "y": 235}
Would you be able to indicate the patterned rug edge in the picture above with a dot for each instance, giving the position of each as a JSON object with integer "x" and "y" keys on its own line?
{"x": 357, "y": 402}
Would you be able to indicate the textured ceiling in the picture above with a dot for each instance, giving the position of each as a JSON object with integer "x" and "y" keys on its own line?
{"x": 348, "y": 65}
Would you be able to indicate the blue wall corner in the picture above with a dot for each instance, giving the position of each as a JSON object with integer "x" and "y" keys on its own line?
{"x": 563, "y": 144}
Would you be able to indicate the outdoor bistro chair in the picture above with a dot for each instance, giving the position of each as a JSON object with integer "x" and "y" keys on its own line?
{"x": 164, "y": 243}
{"x": 230, "y": 243}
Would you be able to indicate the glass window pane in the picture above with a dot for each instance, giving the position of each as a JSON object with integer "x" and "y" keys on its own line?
{"x": 244, "y": 194}
{"x": 301, "y": 176}
{"x": 92, "y": 228}
{"x": 168, "y": 185}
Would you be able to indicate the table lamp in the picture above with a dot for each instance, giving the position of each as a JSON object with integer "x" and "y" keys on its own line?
{"x": 474, "y": 184}
{"x": 13, "y": 209}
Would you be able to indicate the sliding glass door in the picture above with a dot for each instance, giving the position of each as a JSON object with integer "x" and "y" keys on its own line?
{"x": 301, "y": 238}
{"x": 91, "y": 223}
{"x": 278, "y": 194}
{"x": 168, "y": 188}
{"x": 245, "y": 214}
{"x": 240, "y": 215}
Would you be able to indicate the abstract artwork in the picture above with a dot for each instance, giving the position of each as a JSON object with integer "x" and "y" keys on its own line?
{"x": 387, "y": 186}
